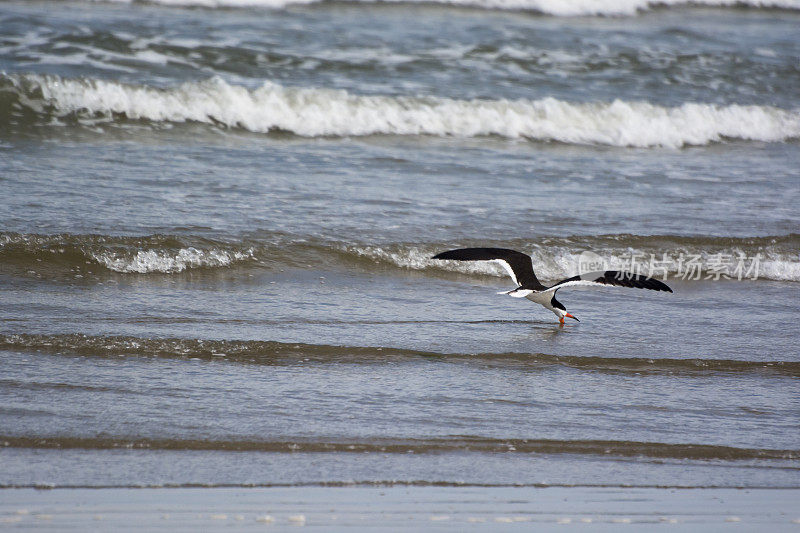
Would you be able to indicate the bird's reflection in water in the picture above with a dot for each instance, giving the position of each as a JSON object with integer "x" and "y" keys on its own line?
{"x": 539, "y": 331}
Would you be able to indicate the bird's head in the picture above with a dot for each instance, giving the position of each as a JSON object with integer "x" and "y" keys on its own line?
{"x": 559, "y": 309}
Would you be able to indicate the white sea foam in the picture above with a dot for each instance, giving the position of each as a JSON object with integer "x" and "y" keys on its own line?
{"x": 550, "y": 7}
{"x": 553, "y": 263}
{"x": 316, "y": 112}
{"x": 146, "y": 261}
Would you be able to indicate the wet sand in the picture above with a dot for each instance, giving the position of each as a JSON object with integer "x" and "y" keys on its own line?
{"x": 402, "y": 507}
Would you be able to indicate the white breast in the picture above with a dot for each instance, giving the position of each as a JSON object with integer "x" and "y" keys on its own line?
{"x": 541, "y": 298}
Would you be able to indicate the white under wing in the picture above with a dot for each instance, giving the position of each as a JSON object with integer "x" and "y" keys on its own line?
{"x": 517, "y": 293}
{"x": 508, "y": 269}
{"x": 584, "y": 282}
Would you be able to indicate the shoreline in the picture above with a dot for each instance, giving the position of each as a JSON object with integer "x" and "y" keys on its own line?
{"x": 391, "y": 508}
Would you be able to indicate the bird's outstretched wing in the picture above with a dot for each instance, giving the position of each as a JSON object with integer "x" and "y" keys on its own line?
{"x": 517, "y": 264}
{"x": 612, "y": 277}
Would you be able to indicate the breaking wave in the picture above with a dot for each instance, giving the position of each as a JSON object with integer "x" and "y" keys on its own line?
{"x": 314, "y": 112}
{"x": 151, "y": 254}
{"x": 166, "y": 262}
{"x": 548, "y": 7}
{"x": 689, "y": 258}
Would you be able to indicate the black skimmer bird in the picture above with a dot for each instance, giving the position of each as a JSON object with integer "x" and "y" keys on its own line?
{"x": 520, "y": 267}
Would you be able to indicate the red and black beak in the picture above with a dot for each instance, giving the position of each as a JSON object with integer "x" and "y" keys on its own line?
{"x": 570, "y": 316}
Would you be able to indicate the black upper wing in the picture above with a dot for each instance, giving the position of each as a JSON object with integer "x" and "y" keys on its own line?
{"x": 616, "y": 278}
{"x": 518, "y": 262}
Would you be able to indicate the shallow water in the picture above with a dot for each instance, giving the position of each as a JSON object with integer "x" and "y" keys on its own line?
{"x": 217, "y": 227}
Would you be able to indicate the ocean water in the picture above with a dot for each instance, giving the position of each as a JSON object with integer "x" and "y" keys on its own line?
{"x": 217, "y": 219}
